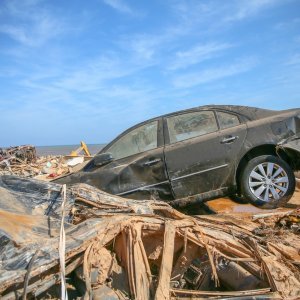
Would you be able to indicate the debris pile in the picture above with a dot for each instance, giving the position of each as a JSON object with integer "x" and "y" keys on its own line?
{"x": 87, "y": 243}
{"x": 13, "y": 159}
{"x": 24, "y": 154}
{"x": 23, "y": 161}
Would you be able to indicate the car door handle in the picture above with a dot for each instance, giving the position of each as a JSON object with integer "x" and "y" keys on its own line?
{"x": 229, "y": 139}
{"x": 152, "y": 162}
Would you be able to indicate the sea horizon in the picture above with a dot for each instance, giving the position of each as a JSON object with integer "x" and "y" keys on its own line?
{"x": 66, "y": 149}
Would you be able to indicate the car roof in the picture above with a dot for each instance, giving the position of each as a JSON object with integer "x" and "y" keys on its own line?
{"x": 249, "y": 112}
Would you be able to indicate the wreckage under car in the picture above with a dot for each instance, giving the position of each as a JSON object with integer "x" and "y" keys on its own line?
{"x": 78, "y": 240}
{"x": 200, "y": 154}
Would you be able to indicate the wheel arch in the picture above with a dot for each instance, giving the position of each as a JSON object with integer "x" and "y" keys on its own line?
{"x": 266, "y": 149}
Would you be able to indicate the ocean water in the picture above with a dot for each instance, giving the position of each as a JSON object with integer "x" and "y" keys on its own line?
{"x": 66, "y": 149}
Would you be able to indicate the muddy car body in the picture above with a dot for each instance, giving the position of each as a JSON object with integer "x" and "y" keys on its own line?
{"x": 202, "y": 153}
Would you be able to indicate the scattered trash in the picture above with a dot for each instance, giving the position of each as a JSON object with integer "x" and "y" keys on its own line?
{"x": 23, "y": 161}
{"x": 117, "y": 248}
{"x": 75, "y": 161}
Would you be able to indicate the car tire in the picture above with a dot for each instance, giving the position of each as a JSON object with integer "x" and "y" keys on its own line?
{"x": 267, "y": 181}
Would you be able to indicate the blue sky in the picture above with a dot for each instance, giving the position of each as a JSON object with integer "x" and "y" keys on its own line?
{"x": 87, "y": 70}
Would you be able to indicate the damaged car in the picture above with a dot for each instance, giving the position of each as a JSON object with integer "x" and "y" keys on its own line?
{"x": 202, "y": 153}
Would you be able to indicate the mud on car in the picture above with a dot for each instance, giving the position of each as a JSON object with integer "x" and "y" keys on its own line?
{"x": 202, "y": 153}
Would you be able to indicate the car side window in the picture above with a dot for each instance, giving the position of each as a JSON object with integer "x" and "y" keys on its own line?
{"x": 136, "y": 141}
{"x": 189, "y": 125}
{"x": 227, "y": 120}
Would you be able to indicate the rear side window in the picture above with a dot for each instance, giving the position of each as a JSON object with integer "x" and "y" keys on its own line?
{"x": 136, "y": 141}
{"x": 227, "y": 120}
{"x": 189, "y": 125}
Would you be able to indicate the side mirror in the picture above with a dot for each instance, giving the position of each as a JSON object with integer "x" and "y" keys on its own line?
{"x": 102, "y": 159}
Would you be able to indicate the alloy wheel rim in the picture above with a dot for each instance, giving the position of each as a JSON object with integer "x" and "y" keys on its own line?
{"x": 268, "y": 182}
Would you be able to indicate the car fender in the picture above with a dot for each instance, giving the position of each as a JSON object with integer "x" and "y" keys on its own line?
{"x": 291, "y": 146}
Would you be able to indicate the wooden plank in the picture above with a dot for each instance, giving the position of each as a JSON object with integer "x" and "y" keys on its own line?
{"x": 162, "y": 291}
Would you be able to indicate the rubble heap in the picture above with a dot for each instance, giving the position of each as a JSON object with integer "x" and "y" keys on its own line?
{"x": 13, "y": 159}
{"x": 23, "y": 154}
{"x": 87, "y": 243}
{"x": 23, "y": 161}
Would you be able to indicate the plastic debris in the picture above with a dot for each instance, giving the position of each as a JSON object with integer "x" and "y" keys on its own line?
{"x": 75, "y": 161}
{"x": 117, "y": 248}
{"x": 23, "y": 161}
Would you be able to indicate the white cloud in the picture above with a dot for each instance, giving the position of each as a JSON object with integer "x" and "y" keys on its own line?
{"x": 197, "y": 78}
{"x": 93, "y": 75}
{"x": 153, "y": 46}
{"x": 29, "y": 23}
{"x": 120, "y": 6}
{"x": 218, "y": 13}
{"x": 291, "y": 23}
{"x": 293, "y": 60}
{"x": 247, "y": 8}
{"x": 35, "y": 34}
{"x": 144, "y": 47}
{"x": 16, "y": 33}
{"x": 90, "y": 75}
{"x": 194, "y": 10}
{"x": 197, "y": 54}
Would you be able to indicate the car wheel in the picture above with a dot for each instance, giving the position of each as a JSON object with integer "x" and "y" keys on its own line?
{"x": 267, "y": 181}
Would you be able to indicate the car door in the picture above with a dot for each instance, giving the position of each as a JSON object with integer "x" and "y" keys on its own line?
{"x": 138, "y": 166}
{"x": 194, "y": 153}
{"x": 233, "y": 132}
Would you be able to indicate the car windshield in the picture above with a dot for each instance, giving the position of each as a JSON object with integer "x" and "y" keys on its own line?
{"x": 138, "y": 140}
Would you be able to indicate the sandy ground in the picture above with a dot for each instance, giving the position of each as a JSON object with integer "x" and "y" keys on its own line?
{"x": 227, "y": 206}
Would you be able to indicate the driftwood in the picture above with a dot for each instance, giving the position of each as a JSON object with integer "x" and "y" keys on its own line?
{"x": 137, "y": 249}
